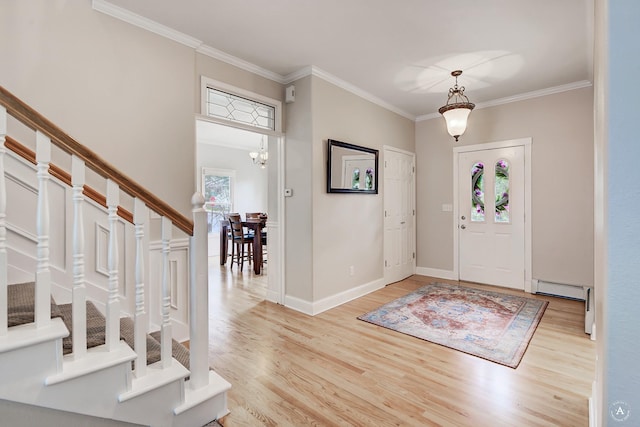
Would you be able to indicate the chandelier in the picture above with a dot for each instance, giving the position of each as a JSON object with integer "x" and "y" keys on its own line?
{"x": 260, "y": 158}
{"x": 457, "y": 109}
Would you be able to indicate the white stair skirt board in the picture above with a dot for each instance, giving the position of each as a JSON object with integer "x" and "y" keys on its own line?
{"x": 577, "y": 292}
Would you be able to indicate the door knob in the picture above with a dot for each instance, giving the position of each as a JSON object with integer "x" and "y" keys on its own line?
{"x": 463, "y": 217}
{"x": 463, "y": 226}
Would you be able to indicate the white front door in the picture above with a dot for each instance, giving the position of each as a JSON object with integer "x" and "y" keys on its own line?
{"x": 399, "y": 215}
{"x": 491, "y": 216}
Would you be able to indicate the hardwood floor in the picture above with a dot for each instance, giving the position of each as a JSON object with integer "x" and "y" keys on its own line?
{"x": 289, "y": 369}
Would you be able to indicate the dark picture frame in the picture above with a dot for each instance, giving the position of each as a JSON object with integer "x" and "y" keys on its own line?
{"x": 351, "y": 168}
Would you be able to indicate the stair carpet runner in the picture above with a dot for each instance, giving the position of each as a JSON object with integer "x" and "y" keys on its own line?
{"x": 20, "y": 308}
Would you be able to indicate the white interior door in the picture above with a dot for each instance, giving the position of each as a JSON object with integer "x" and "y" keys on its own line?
{"x": 491, "y": 216}
{"x": 399, "y": 215}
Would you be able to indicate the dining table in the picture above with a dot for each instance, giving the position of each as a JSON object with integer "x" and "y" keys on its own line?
{"x": 255, "y": 224}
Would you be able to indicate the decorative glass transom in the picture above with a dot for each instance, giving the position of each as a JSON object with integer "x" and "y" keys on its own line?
{"x": 477, "y": 192}
{"x": 502, "y": 191}
{"x": 241, "y": 110}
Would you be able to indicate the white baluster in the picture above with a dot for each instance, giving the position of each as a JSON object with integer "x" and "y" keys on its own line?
{"x": 140, "y": 215}
{"x": 112, "y": 337}
{"x": 43, "y": 274}
{"x": 79, "y": 291}
{"x": 3, "y": 226}
{"x": 165, "y": 341}
{"x": 198, "y": 296}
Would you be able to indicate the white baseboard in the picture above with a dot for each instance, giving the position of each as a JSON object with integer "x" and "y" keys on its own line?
{"x": 437, "y": 273}
{"x": 317, "y": 307}
{"x": 593, "y": 411}
{"x": 298, "y": 304}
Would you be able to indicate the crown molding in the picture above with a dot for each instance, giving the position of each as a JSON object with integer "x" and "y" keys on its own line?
{"x": 240, "y": 63}
{"x": 318, "y": 72}
{"x": 521, "y": 97}
{"x": 179, "y": 37}
{"x": 144, "y": 23}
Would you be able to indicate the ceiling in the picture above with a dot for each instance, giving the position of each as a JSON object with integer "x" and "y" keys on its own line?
{"x": 400, "y": 53}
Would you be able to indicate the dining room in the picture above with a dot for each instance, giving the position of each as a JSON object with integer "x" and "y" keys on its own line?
{"x": 234, "y": 180}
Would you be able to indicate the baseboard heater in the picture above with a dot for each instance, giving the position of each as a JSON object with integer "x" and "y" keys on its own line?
{"x": 577, "y": 292}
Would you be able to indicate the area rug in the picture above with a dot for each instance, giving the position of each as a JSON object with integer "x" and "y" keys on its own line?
{"x": 491, "y": 325}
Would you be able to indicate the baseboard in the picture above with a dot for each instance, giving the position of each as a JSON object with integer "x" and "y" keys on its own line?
{"x": 317, "y": 307}
{"x": 298, "y": 304}
{"x": 593, "y": 412}
{"x": 437, "y": 273}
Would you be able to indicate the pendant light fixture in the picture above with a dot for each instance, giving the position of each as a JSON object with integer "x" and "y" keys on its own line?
{"x": 457, "y": 109}
{"x": 260, "y": 158}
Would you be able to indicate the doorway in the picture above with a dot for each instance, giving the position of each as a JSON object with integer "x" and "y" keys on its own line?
{"x": 399, "y": 215}
{"x": 232, "y": 182}
{"x": 491, "y": 206}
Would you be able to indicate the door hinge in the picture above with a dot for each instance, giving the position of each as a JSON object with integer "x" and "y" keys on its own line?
{"x": 385, "y": 163}
{"x": 385, "y": 213}
{"x": 385, "y": 263}
{"x": 414, "y": 255}
{"x": 414, "y": 212}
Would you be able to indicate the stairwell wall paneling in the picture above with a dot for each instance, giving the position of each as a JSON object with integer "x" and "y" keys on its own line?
{"x": 22, "y": 191}
{"x": 22, "y": 240}
{"x": 178, "y": 286}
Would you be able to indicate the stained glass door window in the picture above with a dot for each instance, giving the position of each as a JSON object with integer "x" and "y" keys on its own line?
{"x": 477, "y": 193}
{"x": 502, "y": 191}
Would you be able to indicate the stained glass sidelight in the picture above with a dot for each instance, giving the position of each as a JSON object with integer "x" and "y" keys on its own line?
{"x": 477, "y": 192}
{"x": 502, "y": 191}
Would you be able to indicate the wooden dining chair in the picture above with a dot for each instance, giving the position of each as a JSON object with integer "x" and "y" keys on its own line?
{"x": 229, "y": 240}
{"x": 263, "y": 216}
{"x": 239, "y": 241}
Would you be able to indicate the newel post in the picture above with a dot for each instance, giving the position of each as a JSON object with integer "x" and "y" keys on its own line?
{"x": 198, "y": 296}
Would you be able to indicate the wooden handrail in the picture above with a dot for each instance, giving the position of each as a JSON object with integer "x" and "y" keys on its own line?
{"x": 31, "y": 118}
{"x": 64, "y": 176}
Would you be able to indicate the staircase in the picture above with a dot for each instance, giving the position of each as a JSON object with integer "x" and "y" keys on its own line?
{"x": 80, "y": 357}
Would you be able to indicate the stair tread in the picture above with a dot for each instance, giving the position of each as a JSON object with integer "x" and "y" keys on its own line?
{"x": 20, "y": 308}
{"x": 20, "y": 304}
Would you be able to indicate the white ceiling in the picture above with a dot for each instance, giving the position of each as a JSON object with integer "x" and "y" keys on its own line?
{"x": 397, "y": 53}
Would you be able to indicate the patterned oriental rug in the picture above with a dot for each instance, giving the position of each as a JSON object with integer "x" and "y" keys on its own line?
{"x": 491, "y": 325}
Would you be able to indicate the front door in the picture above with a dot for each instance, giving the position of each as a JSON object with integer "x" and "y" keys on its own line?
{"x": 399, "y": 216}
{"x": 491, "y": 216}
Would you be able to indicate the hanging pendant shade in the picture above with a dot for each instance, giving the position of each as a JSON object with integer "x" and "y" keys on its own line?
{"x": 457, "y": 109}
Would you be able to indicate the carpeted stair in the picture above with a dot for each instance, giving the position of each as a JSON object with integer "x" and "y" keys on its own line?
{"x": 20, "y": 309}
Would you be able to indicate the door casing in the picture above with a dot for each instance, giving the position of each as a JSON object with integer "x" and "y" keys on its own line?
{"x": 526, "y": 143}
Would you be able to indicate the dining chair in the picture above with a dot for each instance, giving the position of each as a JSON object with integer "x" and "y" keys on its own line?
{"x": 227, "y": 223}
{"x": 263, "y": 216}
{"x": 239, "y": 241}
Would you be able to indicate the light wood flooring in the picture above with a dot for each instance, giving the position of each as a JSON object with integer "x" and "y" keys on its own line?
{"x": 290, "y": 369}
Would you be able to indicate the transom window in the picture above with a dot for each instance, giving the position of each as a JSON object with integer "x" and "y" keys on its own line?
{"x": 238, "y": 109}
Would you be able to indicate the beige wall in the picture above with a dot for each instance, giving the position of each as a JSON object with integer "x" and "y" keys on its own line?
{"x": 298, "y": 209}
{"x": 348, "y": 228}
{"x": 328, "y": 233}
{"x": 124, "y": 92}
{"x": 561, "y": 128}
